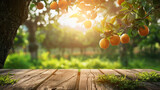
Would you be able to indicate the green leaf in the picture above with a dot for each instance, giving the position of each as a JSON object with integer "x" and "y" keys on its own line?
{"x": 141, "y": 12}
{"x": 113, "y": 20}
{"x": 125, "y": 4}
{"x": 124, "y": 9}
{"x": 130, "y": 1}
{"x": 31, "y": 6}
{"x": 147, "y": 22}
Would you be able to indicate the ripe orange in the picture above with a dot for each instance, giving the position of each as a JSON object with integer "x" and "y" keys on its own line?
{"x": 87, "y": 24}
{"x": 125, "y": 38}
{"x": 143, "y": 31}
{"x": 120, "y": 1}
{"x": 39, "y": 5}
{"x": 63, "y": 4}
{"x": 94, "y": 15}
{"x": 114, "y": 40}
{"x": 53, "y": 5}
{"x": 104, "y": 43}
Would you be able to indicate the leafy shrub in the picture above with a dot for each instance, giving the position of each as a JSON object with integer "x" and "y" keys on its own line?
{"x": 18, "y": 61}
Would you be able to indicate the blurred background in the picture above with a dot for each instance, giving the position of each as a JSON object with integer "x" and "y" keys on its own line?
{"x": 51, "y": 39}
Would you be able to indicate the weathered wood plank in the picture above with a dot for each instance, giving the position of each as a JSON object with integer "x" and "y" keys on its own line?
{"x": 4, "y": 70}
{"x": 99, "y": 86}
{"x": 23, "y": 77}
{"x": 109, "y": 72}
{"x": 84, "y": 74}
{"x": 88, "y": 80}
{"x": 32, "y": 82}
{"x": 16, "y": 71}
{"x": 147, "y": 70}
{"x": 63, "y": 79}
{"x": 131, "y": 74}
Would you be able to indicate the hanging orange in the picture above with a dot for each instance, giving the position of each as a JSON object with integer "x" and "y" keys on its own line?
{"x": 120, "y": 2}
{"x": 53, "y": 5}
{"x": 87, "y": 24}
{"x": 104, "y": 43}
{"x": 143, "y": 31}
{"x": 40, "y": 5}
{"x": 125, "y": 38}
{"x": 115, "y": 40}
{"x": 62, "y": 4}
{"x": 94, "y": 15}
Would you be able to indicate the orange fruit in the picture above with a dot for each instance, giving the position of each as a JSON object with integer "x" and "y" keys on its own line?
{"x": 143, "y": 31}
{"x": 104, "y": 43}
{"x": 130, "y": 5}
{"x": 63, "y": 4}
{"x": 120, "y": 1}
{"x": 114, "y": 40}
{"x": 87, "y": 24}
{"x": 125, "y": 38}
{"x": 53, "y": 5}
{"x": 39, "y": 5}
{"x": 94, "y": 15}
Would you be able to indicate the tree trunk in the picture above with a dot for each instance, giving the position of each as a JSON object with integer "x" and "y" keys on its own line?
{"x": 123, "y": 54}
{"x": 12, "y": 14}
{"x": 33, "y": 46}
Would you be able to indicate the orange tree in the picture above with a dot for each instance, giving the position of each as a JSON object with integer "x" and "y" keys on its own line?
{"x": 133, "y": 18}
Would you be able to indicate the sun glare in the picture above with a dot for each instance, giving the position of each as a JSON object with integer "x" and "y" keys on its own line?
{"x": 65, "y": 20}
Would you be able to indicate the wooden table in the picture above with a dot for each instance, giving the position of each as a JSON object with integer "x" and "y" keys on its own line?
{"x": 68, "y": 79}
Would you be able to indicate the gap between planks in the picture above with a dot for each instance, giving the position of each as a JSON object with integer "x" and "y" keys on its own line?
{"x": 35, "y": 88}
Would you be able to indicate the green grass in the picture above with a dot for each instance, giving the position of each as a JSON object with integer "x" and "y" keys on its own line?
{"x": 122, "y": 83}
{"x": 22, "y": 61}
{"x": 149, "y": 77}
{"x": 7, "y": 79}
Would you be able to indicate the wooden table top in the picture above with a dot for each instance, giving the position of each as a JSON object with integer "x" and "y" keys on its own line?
{"x": 68, "y": 79}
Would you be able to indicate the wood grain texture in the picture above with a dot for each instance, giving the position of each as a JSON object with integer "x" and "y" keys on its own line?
{"x": 26, "y": 79}
{"x": 147, "y": 70}
{"x": 88, "y": 80}
{"x": 109, "y": 72}
{"x": 4, "y": 70}
{"x": 63, "y": 79}
{"x": 69, "y": 79}
{"x": 14, "y": 71}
